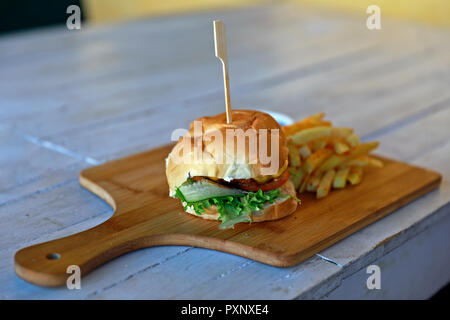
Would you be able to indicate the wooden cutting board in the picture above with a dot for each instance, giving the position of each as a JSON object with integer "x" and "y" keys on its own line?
{"x": 145, "y": 216}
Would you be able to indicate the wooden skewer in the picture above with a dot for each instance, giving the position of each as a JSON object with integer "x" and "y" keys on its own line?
{"x": 220, "y": 44}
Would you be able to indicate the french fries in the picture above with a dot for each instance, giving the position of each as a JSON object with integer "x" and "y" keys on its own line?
{"x": 318, "y": 144}
{"x": 303, "y": 184}
{"x": 341, "y": 132}
{"x": 375, "y": 163}
{"x": 323, "y": 157}
{"x": 316, "y": 159}
{"x": 355, "y": 175}
{"x": 340, "y": 179}
{"x": 294, "y": 155}
{"x": 313, "y": 182}
{"x": 325, "y": 184}
{"x": 339, "y": 160}
{"x": 340, "y": 147}
{"x": 310, "y": 134}
{"x": 309, "y": 122}
{"x": 365, "y": 160}
{"x": 353, "y": 140}
{"x": 363, "y": 148}
{"x": 305, "y": 151}
{"x": 332, "y": 162}
{"x": 297, "y": 175}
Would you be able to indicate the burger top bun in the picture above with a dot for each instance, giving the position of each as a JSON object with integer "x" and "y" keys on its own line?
{"x": 233, "y": 160}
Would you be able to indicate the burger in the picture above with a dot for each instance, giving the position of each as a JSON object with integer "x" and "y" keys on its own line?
{"x": 232, "y": 172}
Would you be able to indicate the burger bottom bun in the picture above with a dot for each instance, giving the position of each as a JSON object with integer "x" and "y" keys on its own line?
{"x": 281, "y": 207}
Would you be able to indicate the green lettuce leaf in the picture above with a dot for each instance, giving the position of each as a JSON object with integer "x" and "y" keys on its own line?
{"x": 234, "y": 209}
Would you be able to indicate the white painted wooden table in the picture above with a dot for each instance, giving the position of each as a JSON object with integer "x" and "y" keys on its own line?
{"x": 72, "y": 99}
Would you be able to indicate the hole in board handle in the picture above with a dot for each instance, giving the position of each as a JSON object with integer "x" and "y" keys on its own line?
{"x": 53, "y": 256}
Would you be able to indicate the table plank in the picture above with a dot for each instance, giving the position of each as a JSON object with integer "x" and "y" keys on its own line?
{"x": 117, "y": 95}
{"x": 361, "y": 249}
{"x": 399, "y": 278}
{"x": 407, "y": 221}
{"x": 74, "y": 98}
{"x": 284, "y": 96}
{"x": 27, "y": 167}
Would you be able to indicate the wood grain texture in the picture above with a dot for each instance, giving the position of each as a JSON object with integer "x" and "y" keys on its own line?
{"x": 145, "y": 216}
{"x": 416, "y": 256}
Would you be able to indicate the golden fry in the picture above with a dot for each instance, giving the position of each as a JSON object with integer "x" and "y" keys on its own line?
{"x": 294, "y": 155}
{"x": 318, "y": 144}
{"x": 305, "y": 151}
{"x": 341, "y": 160}
{"x": 340, "y": 179}
{"x": 353, "y": 140}
{"x": 340, "y": 147}
{"x": 316, "y": 117}
{"x": 309, "y": 122}
{"x": 355, "y": 175}
{"x": 341, "y": 132}
{"x": 313, "y": 182}
{"x": 319, "y": 132}
{"x": 332, "y": 162}
{"x": 365, "y": 160}
{"x": 308, "y": 135}
{"x": 316, "y": 159}
{"x": 360, "y": 150}
{"x": 360, "y": 161}
{"x": 304, "y": 182}
{"x": 297, "y": 175}
{"x": 325, "y": 184}
{"x": 364, "y": 148}
{"x": 375, "y": 163}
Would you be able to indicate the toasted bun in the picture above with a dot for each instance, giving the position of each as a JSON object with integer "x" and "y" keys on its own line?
{"x": 238, "y": 163}
{"x": 277, "y": 210}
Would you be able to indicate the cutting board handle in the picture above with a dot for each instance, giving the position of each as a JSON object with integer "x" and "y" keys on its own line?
{"x": 47, "y": 264}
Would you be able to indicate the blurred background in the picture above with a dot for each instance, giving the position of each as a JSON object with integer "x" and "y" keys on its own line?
{"x": 26, "y": 14}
